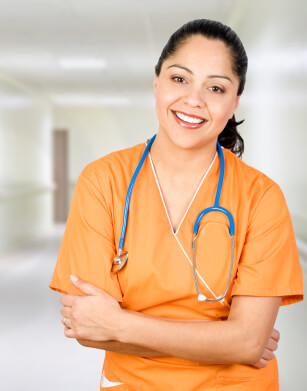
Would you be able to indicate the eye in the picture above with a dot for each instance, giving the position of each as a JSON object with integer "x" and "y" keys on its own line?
{"x": 217, "y": 89}
{"x": 178, "y": 79}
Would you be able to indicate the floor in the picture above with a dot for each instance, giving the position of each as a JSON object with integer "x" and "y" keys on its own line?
{"x": 34, "y": 353}
{"x": 36, "y": 356}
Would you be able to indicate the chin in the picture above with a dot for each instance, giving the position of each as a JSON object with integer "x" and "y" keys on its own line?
{"x": 188, "y": 140}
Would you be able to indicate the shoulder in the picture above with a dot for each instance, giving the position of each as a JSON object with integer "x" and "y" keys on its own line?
{"x": 246, "y": 174}
{"x": 253, "y": 186}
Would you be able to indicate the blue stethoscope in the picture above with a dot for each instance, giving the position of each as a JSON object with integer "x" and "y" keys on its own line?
{"x": 121, "y": 259}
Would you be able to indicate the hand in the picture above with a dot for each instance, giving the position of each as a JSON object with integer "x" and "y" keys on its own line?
{"x": 268, "y": 354}
{"x": 95, "y": 317}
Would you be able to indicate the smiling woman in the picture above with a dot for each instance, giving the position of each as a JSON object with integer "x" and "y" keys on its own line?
{"x": 143, "y": 308}
{"x": 196, "y": 80}
{"x": 236, "y": 59}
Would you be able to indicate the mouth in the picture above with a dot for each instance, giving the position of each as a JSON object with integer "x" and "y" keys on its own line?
{"x": 186, "y": 120}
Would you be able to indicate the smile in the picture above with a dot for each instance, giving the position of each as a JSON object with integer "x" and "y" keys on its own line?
{"x": 186, "y": 118}
{"x": 189, "y": 121}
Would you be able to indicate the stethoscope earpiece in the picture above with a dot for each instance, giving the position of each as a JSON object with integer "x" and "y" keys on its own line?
{"x": 202, "y": 297}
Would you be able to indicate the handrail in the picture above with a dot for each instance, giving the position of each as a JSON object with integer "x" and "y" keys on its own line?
{"x": 20, "y": 190}
{"x": 302, "y": 250}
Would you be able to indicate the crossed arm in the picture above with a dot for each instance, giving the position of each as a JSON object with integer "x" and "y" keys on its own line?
{"x": 230, "y": 341}
{"x": 246, "y": 337}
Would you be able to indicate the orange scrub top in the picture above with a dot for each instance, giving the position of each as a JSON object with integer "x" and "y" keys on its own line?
{"x": 158, "y": 278}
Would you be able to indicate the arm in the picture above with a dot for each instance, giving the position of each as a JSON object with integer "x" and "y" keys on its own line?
{"x": 124, "y": 348}
{"x": 240, "y": 339}
{"x": 118, "y": 347}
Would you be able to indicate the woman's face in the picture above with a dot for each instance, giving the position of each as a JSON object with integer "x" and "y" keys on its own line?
{"x": 196, "y": 93}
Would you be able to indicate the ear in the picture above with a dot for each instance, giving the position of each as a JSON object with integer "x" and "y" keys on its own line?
{"x": 237, "y": 102}
{"x": 236, "y": 105}
{"x": 155, "y": 84}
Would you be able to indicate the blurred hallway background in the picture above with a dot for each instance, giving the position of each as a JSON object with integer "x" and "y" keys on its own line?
{"x": 82, "y": 72}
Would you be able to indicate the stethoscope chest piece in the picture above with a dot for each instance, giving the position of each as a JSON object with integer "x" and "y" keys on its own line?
{"x": 119, "y": 262}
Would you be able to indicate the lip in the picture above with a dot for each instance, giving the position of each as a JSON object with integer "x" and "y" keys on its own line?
{"x": 186, "y": 124}
{"x": 190, "y": 115}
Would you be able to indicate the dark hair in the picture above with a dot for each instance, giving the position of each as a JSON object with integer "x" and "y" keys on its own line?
{"x": 211, "y": 29}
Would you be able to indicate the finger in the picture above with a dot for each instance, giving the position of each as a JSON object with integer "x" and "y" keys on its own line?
{"x": 69, "y": 333}
{"x": 261, "y": 363}
{"x": 86, "y": 287}
{"x": 67, "y": 323}
{"x": 272, "y": 344}
{"x": 268, "y": 355}
{"x": 66, "y": 312}
{"x": 275, "y": 335}
{"x": 67, "y": 300}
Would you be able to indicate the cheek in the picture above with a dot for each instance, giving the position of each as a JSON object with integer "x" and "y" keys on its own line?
{"x": 160, "y": 110}
{"x": 159, "y": 105}
{"x": 222, "y": 111}
{"x": 163, "y": 102}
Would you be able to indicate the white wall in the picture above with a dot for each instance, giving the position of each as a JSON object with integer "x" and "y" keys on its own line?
{"x": 274, "y": 106}
{"x": 25, "y": 164}
{"x": 275, "y": 101}
{"x": 95, "y": 132}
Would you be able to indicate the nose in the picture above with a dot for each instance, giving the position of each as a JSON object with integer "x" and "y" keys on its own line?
{"x": 195, "y": 97}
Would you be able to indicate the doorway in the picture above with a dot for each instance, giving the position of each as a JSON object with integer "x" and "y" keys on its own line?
{"x": 60, "y": 175}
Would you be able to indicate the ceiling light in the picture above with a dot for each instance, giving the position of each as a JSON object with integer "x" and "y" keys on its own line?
{"x": 90, "y": 100}
{"x": 82, "y": 63}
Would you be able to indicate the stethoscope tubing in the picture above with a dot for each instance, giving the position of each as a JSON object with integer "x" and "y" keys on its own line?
{"x": 120, "y": 260}
{"x": 199, "y": 295}
{"x": 215, "y": 209}
{"x": 128, "y": 196}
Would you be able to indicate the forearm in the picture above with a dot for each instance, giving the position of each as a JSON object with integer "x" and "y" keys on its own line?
{"x": 119, "y": 347}
{"x": 214, "y": 342}
{"x": 242, "y": 338}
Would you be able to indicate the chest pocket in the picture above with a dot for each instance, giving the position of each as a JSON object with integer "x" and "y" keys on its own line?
{"x": 213, "y": 254}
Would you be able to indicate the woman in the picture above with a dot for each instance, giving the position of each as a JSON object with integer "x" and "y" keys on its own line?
{"x": 157, "y": 335}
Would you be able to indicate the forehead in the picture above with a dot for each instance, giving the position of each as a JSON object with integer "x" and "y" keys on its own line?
{"x": 198, "y": 51}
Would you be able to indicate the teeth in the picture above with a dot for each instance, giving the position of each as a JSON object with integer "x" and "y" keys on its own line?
{"x": 189, "y": 119}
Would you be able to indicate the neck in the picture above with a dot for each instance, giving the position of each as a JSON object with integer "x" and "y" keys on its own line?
{"x": 186, "y": 162}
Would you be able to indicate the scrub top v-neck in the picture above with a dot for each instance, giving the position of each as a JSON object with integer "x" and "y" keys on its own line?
{"x": 158, "y": 278}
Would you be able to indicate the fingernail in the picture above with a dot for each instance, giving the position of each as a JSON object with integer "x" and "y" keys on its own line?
{"x": 73, "y": 278}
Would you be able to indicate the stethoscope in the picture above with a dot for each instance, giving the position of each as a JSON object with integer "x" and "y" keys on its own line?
{"x": 121, "y": 259}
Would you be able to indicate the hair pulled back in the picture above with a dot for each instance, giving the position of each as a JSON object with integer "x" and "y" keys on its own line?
{"x": 211, "y": 29}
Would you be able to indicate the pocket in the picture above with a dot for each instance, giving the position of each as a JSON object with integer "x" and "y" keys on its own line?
{"x": 238, "y": 377}
{"x": 213, "y": 254}
{"x": 241, "y": 384}
{"x": 233, "y": 383}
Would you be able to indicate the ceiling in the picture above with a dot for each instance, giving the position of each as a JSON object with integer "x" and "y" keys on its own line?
{"x": 115, "y": 44}
{"x": 119, "y": 42}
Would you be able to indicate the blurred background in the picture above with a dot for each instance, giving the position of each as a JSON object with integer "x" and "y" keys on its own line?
{"x": 75, "y": 84}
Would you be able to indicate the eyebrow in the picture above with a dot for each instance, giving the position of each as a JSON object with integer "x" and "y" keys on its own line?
{"x": 220, "y": 76}
{"x": 209, "y": 76}
{"x": 180, "y": 66}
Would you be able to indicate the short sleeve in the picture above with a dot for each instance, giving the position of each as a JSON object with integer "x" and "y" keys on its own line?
{"x": 269, "y": 264}
{"x": 87, "y": 247}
